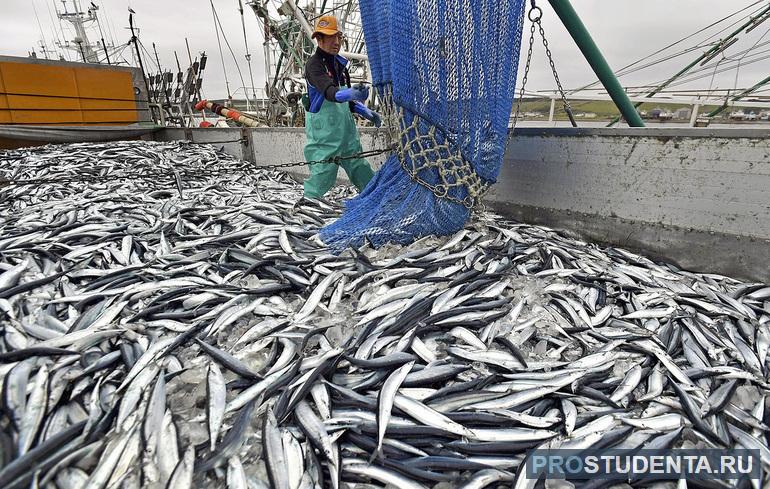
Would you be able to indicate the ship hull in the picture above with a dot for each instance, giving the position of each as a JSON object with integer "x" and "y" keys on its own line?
{"x": 37, "y": 92}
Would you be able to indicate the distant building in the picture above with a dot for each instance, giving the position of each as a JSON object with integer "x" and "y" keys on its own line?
{"x": 683, "y": 113}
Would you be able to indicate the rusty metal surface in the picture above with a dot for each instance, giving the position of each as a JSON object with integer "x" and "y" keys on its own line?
{"x": 35, "y": 91}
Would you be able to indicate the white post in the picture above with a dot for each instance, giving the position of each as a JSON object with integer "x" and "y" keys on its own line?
{"x": 553, "y": 108}
{"x": 694, "y": 116}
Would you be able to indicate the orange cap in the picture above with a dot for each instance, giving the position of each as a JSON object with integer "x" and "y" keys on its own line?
{"x": 326, "y": 24}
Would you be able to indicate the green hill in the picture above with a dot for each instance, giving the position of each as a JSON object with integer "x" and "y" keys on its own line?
{"x": 604, "y": 110}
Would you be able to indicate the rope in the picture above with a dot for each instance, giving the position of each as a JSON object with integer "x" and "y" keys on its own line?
{"x": 421, "y": 145}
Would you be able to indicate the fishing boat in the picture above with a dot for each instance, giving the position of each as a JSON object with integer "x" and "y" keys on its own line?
{"x": 101, "y": 93}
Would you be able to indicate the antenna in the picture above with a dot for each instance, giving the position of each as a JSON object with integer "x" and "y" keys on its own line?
{"x": 79, "y": 21}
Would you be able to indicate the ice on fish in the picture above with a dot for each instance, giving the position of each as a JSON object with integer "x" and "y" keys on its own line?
{"x": 140, "y": 265}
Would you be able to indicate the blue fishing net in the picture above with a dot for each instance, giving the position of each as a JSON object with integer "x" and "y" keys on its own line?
{"x": 445, "y": 72}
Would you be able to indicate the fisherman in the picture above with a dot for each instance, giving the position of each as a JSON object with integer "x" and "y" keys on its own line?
{"x": 329, "y": 125}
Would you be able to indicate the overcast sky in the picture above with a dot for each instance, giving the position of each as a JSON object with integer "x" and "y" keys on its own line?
{"x": 625, "y": 30}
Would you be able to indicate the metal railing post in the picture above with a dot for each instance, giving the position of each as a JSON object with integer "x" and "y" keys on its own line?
{"x": 553, "y": 109}
{"x": 694, "y": 116}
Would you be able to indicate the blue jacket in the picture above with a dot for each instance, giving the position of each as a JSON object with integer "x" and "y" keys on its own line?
{"x": 325, "y": 74}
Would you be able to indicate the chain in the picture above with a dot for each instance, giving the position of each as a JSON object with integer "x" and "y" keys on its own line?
{"x": 564, "y": 101}
{"x": 524, "y": 79}
{"x": 441, "y": 191}
{"x": 535, "y": 14}
{"x": 336, "y": 160}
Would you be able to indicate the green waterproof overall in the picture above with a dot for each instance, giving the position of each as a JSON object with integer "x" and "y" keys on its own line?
{"x": 332, "y": 132}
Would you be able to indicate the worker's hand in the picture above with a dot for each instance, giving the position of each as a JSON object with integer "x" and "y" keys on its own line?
{"x": 367, "y": 114}
{"x": 352, "y": 94}
{"x": 376, "y": 119}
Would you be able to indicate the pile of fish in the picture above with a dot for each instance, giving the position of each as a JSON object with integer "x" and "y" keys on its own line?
{"x": 171, "y": 320}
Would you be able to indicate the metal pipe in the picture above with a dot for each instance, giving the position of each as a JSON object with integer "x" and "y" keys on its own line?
{"x": 106, "y": 53}
{"x": 356, "y": 56}
{"x": 552, "y": 109}
{"x": 300, "y": 16}
{"x": 248, "y": 54}
{"x": 231, "y": 114}
{"x": 277, "y": 70}
{"x": 694, "y": 115}
{"x": 189, "y": 55}
{"x": 595, "y": 58}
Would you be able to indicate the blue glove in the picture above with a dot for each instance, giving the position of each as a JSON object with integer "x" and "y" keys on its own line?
{"x": 352, "y": 94}
{"x": 367, "y": 113}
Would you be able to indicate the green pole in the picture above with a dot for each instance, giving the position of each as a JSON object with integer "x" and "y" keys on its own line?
{"x": 594, "y": 57}
{"x": 740, "y": 96}
{"x": 278, "y": 70}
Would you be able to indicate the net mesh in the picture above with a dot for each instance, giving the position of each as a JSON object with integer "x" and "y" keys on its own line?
{"x": 445, "y": 72}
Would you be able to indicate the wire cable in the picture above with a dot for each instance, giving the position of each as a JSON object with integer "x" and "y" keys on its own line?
{"x": 148, "y": 55}
{"x": 745, "y": 53}
{"x": 221, "y": 53}
{"x": 42, "y": 34}
{"x": 703, "y": 29}
{"x": 113, "y": 40}
{"x": 723, "y": 70}
{"x": 248, "y": 55}
{"x": 227, "y": 43}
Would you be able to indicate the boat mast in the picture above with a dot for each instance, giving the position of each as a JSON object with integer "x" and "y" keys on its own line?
{"x": 78, "y": 19}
